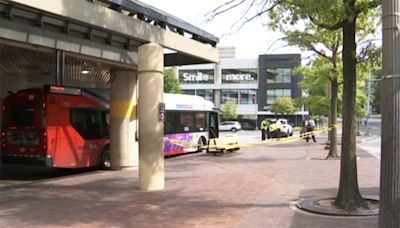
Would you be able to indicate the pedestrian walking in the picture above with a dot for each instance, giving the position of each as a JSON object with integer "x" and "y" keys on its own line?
{"x": 310, "y": 125}
{"x": 263, "y": 128}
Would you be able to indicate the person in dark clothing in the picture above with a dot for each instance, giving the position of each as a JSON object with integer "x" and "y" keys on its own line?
{"x": 263, "y": 128}
{"x": 310, "y": 125}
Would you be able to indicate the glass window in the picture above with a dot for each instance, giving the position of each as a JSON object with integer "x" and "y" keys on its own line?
{"x": 196, "y": 76}
{"x": 89, "y": 123}
{"x": 229, "y": 94}
{"x": 201, "y": 92}
{"x": 207, "y": 94}
{"x": 189, "y": 92}
{"x": 248, "y": 96}
{"x": 273, "y": 94}
{"x": 187, "y": 122}
{"x": 234, "y": 95}
{"x": 181, "y": 122}
{"x": 279, "y": 75}
{"x": 286, "y": 92}
{"x": 200, "y": 121}
{"x": 172, "y": 123}
{"x": 22, "y": 115}
{"x": 239, "y": 75}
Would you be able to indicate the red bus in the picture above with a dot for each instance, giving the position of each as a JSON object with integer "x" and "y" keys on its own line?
{"x": 55, "y": 126}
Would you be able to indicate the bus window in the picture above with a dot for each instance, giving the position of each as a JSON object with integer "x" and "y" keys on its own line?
{"x": 187, "y": 122}
{"x": 200, "y": 121}
{"x": 22, "y": 116}
{"x": 88, "y": 123}
{"x": 106, "y": 121}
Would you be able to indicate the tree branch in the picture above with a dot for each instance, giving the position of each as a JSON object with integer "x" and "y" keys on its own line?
{"x": 370, "y": 5}
{"x": 259, "y": 14}
{"x": 243, "y": 15}
{"x": 327, "y": 26}
{"x": 320, "y": 53}
{"x": 214, "y": 13}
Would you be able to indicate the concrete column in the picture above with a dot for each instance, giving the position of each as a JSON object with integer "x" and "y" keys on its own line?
{"x": 1, "y": 100}
{"x": 389, "y": 208}
{"x": 123, "y": 100}
{"x": 151, "y": 129}
{"x": 217, "y": 84}
{"x": 1, "y": 111}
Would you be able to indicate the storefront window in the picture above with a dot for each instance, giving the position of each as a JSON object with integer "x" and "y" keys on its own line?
{"x": 279, "y": 75}
{"x": 248, "y": 96}
{"x": 189, "y": 92}
{"x": 273, "y": 94}
{"x": 196, "y": 76}
{"x": 239, "y": 75}
{"x": 229, "y": 94}
{"x": 208, "y": 94}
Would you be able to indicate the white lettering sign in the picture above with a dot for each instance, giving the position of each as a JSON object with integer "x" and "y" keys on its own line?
{"x": 239, "y": 77}
{"x": 199, "y": 77}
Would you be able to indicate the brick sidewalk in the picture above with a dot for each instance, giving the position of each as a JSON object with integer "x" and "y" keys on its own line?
{"x": 251, "y": 188}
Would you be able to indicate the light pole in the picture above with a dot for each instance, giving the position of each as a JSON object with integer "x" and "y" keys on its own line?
{"x": 389, "y": 207}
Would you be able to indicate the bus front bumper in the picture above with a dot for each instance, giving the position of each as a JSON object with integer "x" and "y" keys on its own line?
{"x": 41, "y": 161}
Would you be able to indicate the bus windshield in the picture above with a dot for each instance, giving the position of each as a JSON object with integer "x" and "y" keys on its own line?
{"x": 22, "y": 115}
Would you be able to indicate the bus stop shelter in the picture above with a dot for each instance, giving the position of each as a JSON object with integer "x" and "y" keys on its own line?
{"x": 116, "y": 45}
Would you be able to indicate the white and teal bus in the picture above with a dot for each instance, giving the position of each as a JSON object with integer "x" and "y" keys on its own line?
{"x": 190, "y": 122}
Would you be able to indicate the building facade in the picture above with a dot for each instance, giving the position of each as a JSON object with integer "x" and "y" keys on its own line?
{"x": 254, "y": 84}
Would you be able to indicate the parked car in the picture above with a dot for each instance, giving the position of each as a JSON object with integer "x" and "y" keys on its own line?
{"x": 284, "y": 130}
{"x": 230, "y": 126}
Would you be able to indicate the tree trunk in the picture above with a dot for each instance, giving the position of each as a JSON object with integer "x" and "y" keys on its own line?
{"x": 349, "y": 197}
{"x": 333, "y": 154}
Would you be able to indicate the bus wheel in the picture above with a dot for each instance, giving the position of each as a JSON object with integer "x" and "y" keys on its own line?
{"x": 105, "y": 162}
{"x": 201, "y": 143}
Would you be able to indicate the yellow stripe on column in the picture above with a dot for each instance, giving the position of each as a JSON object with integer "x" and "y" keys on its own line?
{"x": 123, "y": 109}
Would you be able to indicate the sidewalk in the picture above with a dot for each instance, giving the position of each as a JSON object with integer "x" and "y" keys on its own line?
{"x": 251, "y": 188}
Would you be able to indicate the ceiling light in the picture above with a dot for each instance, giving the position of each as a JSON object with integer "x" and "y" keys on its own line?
{"x": 85, "y": 69}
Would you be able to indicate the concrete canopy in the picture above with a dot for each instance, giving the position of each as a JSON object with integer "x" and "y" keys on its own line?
{"x": 118, "y": 24}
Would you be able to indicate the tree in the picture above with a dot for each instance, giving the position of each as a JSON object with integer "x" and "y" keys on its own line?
{"x": 283, "y": 105}
{"x": 329, "y": 43}
{"x": 324, "y": 72}
{"x": 229, "y": 110}
{"x": 342, "y": 14}
{"x": 330, "y": 15}
{"x": 171, "y": 83}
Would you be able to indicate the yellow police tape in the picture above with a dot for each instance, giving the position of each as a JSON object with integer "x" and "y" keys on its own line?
{"x": 277, "y": 141}
{"x": 272, "y": 141}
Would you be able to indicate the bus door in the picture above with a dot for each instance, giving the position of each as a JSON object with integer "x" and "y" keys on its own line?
{"x": 213, "y": 125}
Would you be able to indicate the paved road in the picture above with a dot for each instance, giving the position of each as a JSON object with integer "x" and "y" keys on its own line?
{"x": 16, "y": 175}
{"x": 253, "y": 187}
{"x": 13, "y": 175}
{"x": 371, "y": 139}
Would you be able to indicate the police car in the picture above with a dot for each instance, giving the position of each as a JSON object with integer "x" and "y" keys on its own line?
{"x": 279, "y": 128}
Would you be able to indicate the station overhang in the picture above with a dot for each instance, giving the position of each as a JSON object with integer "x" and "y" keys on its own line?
{"x": 107, "y": 29}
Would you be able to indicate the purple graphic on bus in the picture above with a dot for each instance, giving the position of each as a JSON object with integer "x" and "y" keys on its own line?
{"x": 178, "y": 143}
